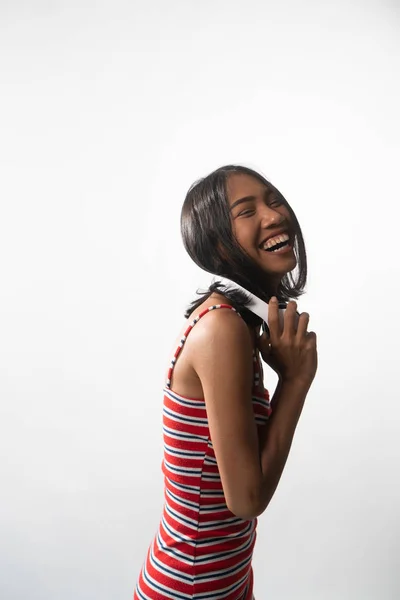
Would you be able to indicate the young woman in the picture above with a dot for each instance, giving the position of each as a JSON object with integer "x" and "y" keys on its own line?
{"x": 225, "y": 442}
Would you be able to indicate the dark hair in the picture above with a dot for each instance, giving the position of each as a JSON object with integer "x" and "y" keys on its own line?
{"x": 206, "y": 228}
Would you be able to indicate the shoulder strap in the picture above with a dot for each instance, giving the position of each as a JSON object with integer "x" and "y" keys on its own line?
{"x": 186, "y": 333}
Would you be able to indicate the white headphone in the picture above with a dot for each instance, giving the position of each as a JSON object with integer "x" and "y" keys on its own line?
{"x": 256, "y": 305}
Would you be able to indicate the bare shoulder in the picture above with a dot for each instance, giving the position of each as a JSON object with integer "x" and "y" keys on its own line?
{"x": 221, "y": 355}
{"x": 209, "y": 349}
{"x": 220, "y": 344}
{"x": 221, "y": 328}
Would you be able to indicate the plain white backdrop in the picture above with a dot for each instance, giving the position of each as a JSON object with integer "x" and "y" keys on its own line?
{"x": 109, "y": 112}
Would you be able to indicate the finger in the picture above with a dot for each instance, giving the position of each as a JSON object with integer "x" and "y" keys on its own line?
{"x": 289, "y": 319}
{"x": 302, "y": 325}
{"x": 273, "y": 319}
{"x": 312, "y": 338}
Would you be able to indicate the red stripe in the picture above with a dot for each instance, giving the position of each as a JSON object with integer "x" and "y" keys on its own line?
{"x": 185, "y": 512}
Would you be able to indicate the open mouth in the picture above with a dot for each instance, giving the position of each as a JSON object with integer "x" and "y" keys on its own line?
{"x": 278, "y": 246}
{"x": 279, "y": 243}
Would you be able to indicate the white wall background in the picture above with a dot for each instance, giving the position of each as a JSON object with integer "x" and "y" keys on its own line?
{"x": 109, "y": 111}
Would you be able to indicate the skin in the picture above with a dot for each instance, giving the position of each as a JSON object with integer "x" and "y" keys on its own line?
{"x": 256, "y": 218}
{"x": 252, "y": 221}
{"x": 217, "y": 364}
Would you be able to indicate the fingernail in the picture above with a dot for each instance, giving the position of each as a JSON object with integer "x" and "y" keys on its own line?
{"x": 273, "y": 299}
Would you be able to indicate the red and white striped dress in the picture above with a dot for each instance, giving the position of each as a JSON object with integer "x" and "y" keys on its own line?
{"x": 201, "y": 550}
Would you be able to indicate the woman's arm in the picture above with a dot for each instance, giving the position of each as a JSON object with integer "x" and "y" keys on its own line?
{"x": 275, "y": 438}
{"x": 275, "y": 397}
{"x": 220, "y": 350}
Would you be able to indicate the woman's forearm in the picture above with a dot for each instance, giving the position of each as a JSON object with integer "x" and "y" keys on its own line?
{"x": 276, "y": 395}
{"x": 276, "y": 437}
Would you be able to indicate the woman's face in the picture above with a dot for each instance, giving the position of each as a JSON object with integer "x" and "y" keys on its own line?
{"x": 257, "y": 215}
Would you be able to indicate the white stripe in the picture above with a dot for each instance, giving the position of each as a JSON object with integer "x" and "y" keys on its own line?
{"x": 184, "y": 520}
{"x": 181, "y": 501}
{"x": 185, "y": 454}
{"x": 156, "y": 585}
{"x": 169, "y": 571}
{"x": 200, "y": 404}
{"x": 213, "y": 508}
{"x": 203, "y": 559}
{"x": 185, "y": 437}
{"x": 182, "y": 470}
{"x": 173, "y": 552}
{"x": 226, "y": 572}
{"x": 191, "y": 421}
{"x": 187, "y": 489}
{"x": 228, "y": 590}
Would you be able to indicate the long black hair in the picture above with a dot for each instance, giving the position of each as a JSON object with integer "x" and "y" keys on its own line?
{"x": 206, "y": 227}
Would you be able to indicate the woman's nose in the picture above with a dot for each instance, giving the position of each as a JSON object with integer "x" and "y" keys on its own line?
{"x": 269, "y": 216}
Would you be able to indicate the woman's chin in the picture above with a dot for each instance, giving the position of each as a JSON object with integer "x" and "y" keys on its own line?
{"x": 279, "y": 263}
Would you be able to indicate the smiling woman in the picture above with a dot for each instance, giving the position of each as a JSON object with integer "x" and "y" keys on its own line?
{"x": 225, "y": 441}
{"x": 227, "y": 218}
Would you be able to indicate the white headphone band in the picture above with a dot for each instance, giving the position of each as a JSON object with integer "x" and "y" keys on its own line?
{"x": 256, "y": 305}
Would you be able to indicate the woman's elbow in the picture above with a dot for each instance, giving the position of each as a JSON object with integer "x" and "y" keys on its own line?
{"x": 246, "y": 510}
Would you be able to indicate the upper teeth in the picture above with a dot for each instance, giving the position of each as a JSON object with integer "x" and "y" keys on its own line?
{"x": 279, "y": 238}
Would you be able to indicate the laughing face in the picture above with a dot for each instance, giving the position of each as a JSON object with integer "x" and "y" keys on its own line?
{"x": 261, "y": 224}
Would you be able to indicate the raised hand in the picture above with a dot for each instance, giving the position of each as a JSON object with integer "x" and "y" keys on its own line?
{"x": 290, "y": 352}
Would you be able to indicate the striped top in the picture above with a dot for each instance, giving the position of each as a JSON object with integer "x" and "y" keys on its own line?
{"x": 201, "y": 550}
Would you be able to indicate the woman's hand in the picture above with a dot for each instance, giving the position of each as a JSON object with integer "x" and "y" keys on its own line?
{"x": 291, "y": 354}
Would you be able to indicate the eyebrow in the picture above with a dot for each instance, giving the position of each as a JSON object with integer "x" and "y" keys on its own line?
{"x": 267, "y": 193}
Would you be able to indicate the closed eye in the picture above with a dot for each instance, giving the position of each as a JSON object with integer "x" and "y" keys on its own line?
{"x": 277, "y": 202}
{"x": 246, "y": 213}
